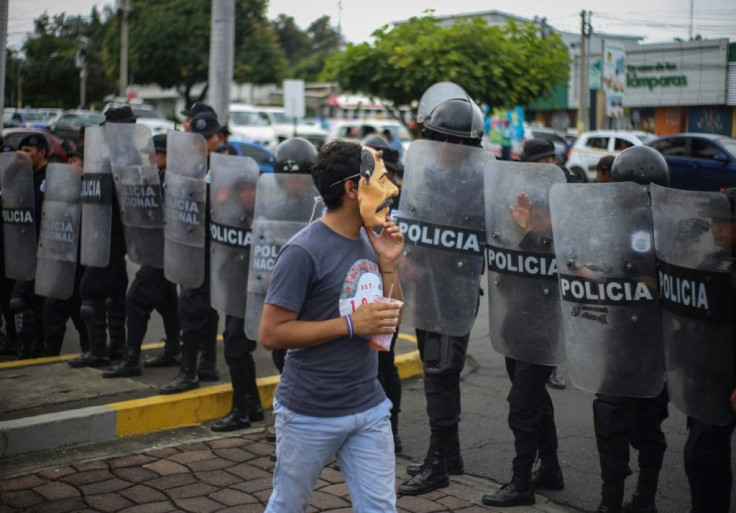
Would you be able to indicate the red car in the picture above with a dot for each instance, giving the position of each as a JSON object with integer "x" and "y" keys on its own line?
{"x": 13, "y": 136}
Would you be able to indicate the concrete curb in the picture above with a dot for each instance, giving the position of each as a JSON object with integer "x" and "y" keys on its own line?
{"x": 160, "y": 412}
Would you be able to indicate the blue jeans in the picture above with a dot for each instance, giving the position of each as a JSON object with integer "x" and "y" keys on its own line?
{"x": 364, "y": 447}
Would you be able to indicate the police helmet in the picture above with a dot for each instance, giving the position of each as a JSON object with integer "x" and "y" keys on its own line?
{"x": 294, "y": 155}
{"x": 642, "y": 165}
{"x": 459, "y": 119}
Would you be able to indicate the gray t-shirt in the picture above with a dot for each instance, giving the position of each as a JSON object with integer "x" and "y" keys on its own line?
{"x": 322, "y": 275}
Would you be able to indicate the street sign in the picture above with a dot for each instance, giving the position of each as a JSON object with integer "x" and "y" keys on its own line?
{"x": 294, "y": 98}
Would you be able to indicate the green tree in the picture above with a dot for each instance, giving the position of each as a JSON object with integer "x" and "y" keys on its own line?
{"x": 293, "y": 40}
{"x": 170, "y": 43}
{"x": 498, "y": 66}
{"x": 48, "y": 72}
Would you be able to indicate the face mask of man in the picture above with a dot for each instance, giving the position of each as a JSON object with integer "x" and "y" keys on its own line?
{"x": 375, "y": 189}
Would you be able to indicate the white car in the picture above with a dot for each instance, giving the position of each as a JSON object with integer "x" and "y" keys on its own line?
{"x": 284, "y": 127}
{"x": 252, "y": 124}
{"x": 359, "y": 129}
{"x": 591, "y": 146}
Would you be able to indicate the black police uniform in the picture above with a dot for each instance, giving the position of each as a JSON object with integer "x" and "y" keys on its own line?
{"x": 149, "y": 291}
{"x": 24, "y": 303}
{"x": 198, "y": 329}
{"x": 10, "y": 343}
{"x": 102, "y": 294}
{"x": 707, "y": 452}
{"x": 56, "y": 313}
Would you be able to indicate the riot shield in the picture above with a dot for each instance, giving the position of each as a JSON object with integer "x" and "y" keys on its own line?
{"x": 232, "y": 200}
{"x": 19, "y": 215}
{"x": 58, "y": 242}
{"x": 185, "y": 213}
{"x": 523, "y": 291}
{"x": 139, "y": 192}
{"x": 441, "y": 215}
{"x": 692, "y": 237}
{"x": 608, "y": 286}
{"x": 436, "y": 94}
{"x": 97, "y": 194}
{"x": 284, "y": 205}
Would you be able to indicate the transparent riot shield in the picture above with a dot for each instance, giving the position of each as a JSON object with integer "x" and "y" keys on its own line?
{"x": 58, "y": 242}
{"x": 19, "y": 215}
{"x": 692, "y": 236}
{"x": 97, "y": 194}
{"x": 284, "y": 205}
{"x": 232, "y": 200}
{"x": 523, "y": 293}
{"x": 185, "y": 199}
{"x": 442, "y": 217}
{"x": 608, "y": 286}
{"x": 139, "y": 192}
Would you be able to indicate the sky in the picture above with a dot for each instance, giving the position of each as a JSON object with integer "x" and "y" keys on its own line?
{"x": 656, "y": 20}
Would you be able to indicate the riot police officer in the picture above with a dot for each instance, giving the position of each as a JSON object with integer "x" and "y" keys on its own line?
{"x": 150, "y": 290}
{"x": 622, "y": 421}
{"x": 57, "y": 312}
{"x": 450, "y": 156}
{"x": 102, "y": 289}
{"x": 198, "y": 319}
{"x": 26, "y": 305}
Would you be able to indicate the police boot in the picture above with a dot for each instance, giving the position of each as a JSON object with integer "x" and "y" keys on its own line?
{"x": 516, "y": 493}
{"x": 116, "y": 328}
{"x": 97, "y": 354}
{"x": 24, "y": 328}
{"x": 549, "y": 474}
{"x": 643, "y": 500}
{"x": 432, "y": 473}
{"x": 612, "y": 495}
{"x": 171, "y": 356}
{"x": 237, "y": 418}
{"x": 129, "y": 367}
{"x": 187, "y": 378}
{"x": 453, "y": 458}
{"x": 207, "y": 369}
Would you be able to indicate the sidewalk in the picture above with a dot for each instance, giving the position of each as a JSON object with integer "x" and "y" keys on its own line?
{"x": 203, "y": 475}
{"x": 46, "y": 404}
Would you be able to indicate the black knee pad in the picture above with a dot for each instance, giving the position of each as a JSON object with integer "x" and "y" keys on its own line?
{"x": 87, "y": 312}
{"x": 17, "y": 304}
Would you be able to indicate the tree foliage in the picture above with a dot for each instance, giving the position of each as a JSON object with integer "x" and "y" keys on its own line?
{"x": 48, "y": 72}
{"x": 498, "y": 66}
{"x": 308, "y": 50}
{"x": 170, "y": 44}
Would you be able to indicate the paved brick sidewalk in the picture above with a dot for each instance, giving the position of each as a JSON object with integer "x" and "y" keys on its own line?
{"x": 225, "y": 475}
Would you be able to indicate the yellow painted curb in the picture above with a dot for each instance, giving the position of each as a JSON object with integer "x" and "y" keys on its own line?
{"x": 196, "y": 406}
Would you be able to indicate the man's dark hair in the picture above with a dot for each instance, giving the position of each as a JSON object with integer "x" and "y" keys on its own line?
{"x": 336, "y": 162}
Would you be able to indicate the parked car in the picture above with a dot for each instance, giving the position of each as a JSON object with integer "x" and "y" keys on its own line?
{"x": 13, "y": 137}
{"x": 359, "y": 129}
{"x": 70, "y": 123}
{"x": 28, "y": 118}
{"x": 699, "y": 162}
{"x": 284, "y": 127}
{"x": 262, "y": 156}
{"x": 249, "y": 123}
{"x": 591, "y": 146}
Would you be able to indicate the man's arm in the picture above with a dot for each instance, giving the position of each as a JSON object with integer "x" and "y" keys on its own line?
{"x": 280, "y": 328}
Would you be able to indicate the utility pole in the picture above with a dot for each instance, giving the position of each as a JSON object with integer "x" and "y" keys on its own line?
{"x": 222, "y": 48}
{"x": 585, "y": 31}
{"x": 124, "y": 15}
{"x": 3, "y": 38}
{"x": 81, "y": 63}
